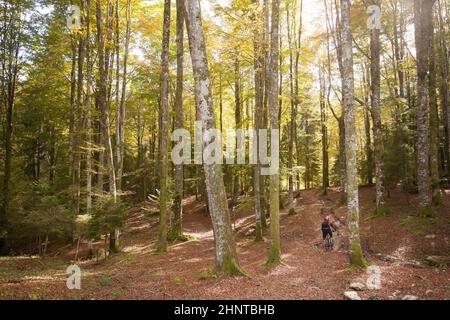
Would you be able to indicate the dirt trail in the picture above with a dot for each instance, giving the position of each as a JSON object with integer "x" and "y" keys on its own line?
{"x": 307, "y": 271}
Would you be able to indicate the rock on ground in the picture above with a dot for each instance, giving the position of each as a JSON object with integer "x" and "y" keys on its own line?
{"x": 409, "y": 297}
{"x": 351, "y": 295}
{"x": 358, "y": 286}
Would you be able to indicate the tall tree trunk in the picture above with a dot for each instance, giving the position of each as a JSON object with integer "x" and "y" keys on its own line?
{"x": 164, "y": 133}
{"x": 292, "y": 123}
{"x": 73, "y": 84}
{"x": 348, "y": 90}
{"x": 226, "y": 256}
{"x": 434, "y": 113}
{"x": 422, "y": 11}
{"x": 265, "y": 117}
{"x": 258, "y": 64}
{"x": 238, "y": 120}
{"x": 177, "y": 230}
{"x": 275, "y": 245}
{"x": 117, "y": 97}
{"x": 296, "y": 90}
{"x": 88, "y": 110}
{"x": 123, "y": 96}
{"x": 104, "y": 122}
{"x": 101, "y": 96}
{"x": 376, "y": 114}
{"x": 324, "y": 131}
{"x": 76, "y": 171}
{"x": 88, "y": 119}
{"x": 10, "y": 52}
{"x": 368, "y": 143}
{"x": 444, "y": 83}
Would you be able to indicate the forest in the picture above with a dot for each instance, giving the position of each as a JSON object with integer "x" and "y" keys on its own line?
{"x": 225, "y": 149}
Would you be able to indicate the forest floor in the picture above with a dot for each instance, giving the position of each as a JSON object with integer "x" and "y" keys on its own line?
{"x": 398, "y": 243}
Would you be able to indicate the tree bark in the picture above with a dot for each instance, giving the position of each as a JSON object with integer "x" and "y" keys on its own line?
{"x": 292, "y": 123}
{"x": 177, "y": 230}
{"x": 376, "y": 114}
{"x": 238, "y": 119}
{"x": 117, "y": 97}
{"x": 275, "y": 245}
{"x": 258, "y": 65}
{"x": 348, "y": 90}
{"x": 422, "y": 11}
{"x": 324, "y": 131}
{"x": 444, "y": 83}
{"x": 434, "y": 113}
{"x": 107, "y": 150}
{"x": 76, "y": 171}
{"x": 226, "y": 256}
{"x": 164, "y": 132}
{"x": 10, "y": 48}
{"x": 88, "y": 110}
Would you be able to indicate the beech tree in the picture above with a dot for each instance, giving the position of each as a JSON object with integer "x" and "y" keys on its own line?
{"x": 423, "y": 12}
{"x": 226, "y": 257}
{"x": 177, "y": 230}
{"x": 164, "y": 133}
{"x": 376, "y": 113}
{"x": 272, "y": 92}
{"x": 348, "y": 94}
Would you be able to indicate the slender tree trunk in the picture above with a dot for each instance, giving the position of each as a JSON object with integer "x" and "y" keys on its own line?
{"x": 123, "y": 96}
{"x": 164, "y": 133}
{"x": 73, "y": 84}
{"x": 323, "y": 122}
{"x": 88, "y": 110}
{"x": 259, "y": 96}
{"x": 104, "y": 122}
{"x": 275, "y": 245}
{"x": 177, "y": 230}
{"x": 434, "y": 113}
{"x": 226, "y": 256}
{"x": 292, "y": 123}
{"x": 76, "y": 171}
{"x": 237, "y": 99}
{"x": 376, "y": 115}
{"x": 10, "y": 47}
{"x": 444, "y": 83}
{"x": 101, "y": 96}
{"x": 368, "y": 143}
{"x": 422, "y": 11}
{"x": 117, "y": 97}
{"x": 296, "y": 91}
{"x": 348, "y": 90}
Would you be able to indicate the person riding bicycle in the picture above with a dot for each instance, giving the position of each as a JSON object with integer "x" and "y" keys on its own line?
{"x": 327, "y": 227}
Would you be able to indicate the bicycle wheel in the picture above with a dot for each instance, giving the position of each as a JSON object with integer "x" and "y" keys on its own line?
{"x": 328, "y": 243}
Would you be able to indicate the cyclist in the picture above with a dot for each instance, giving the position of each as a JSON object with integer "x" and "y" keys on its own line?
{"x": 327, "y": 227}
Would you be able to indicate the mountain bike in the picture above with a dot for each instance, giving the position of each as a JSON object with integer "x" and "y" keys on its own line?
{"x": 329, "y": 243}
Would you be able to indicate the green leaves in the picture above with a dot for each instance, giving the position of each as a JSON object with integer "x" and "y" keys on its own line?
{"x": 107, "y": 214}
